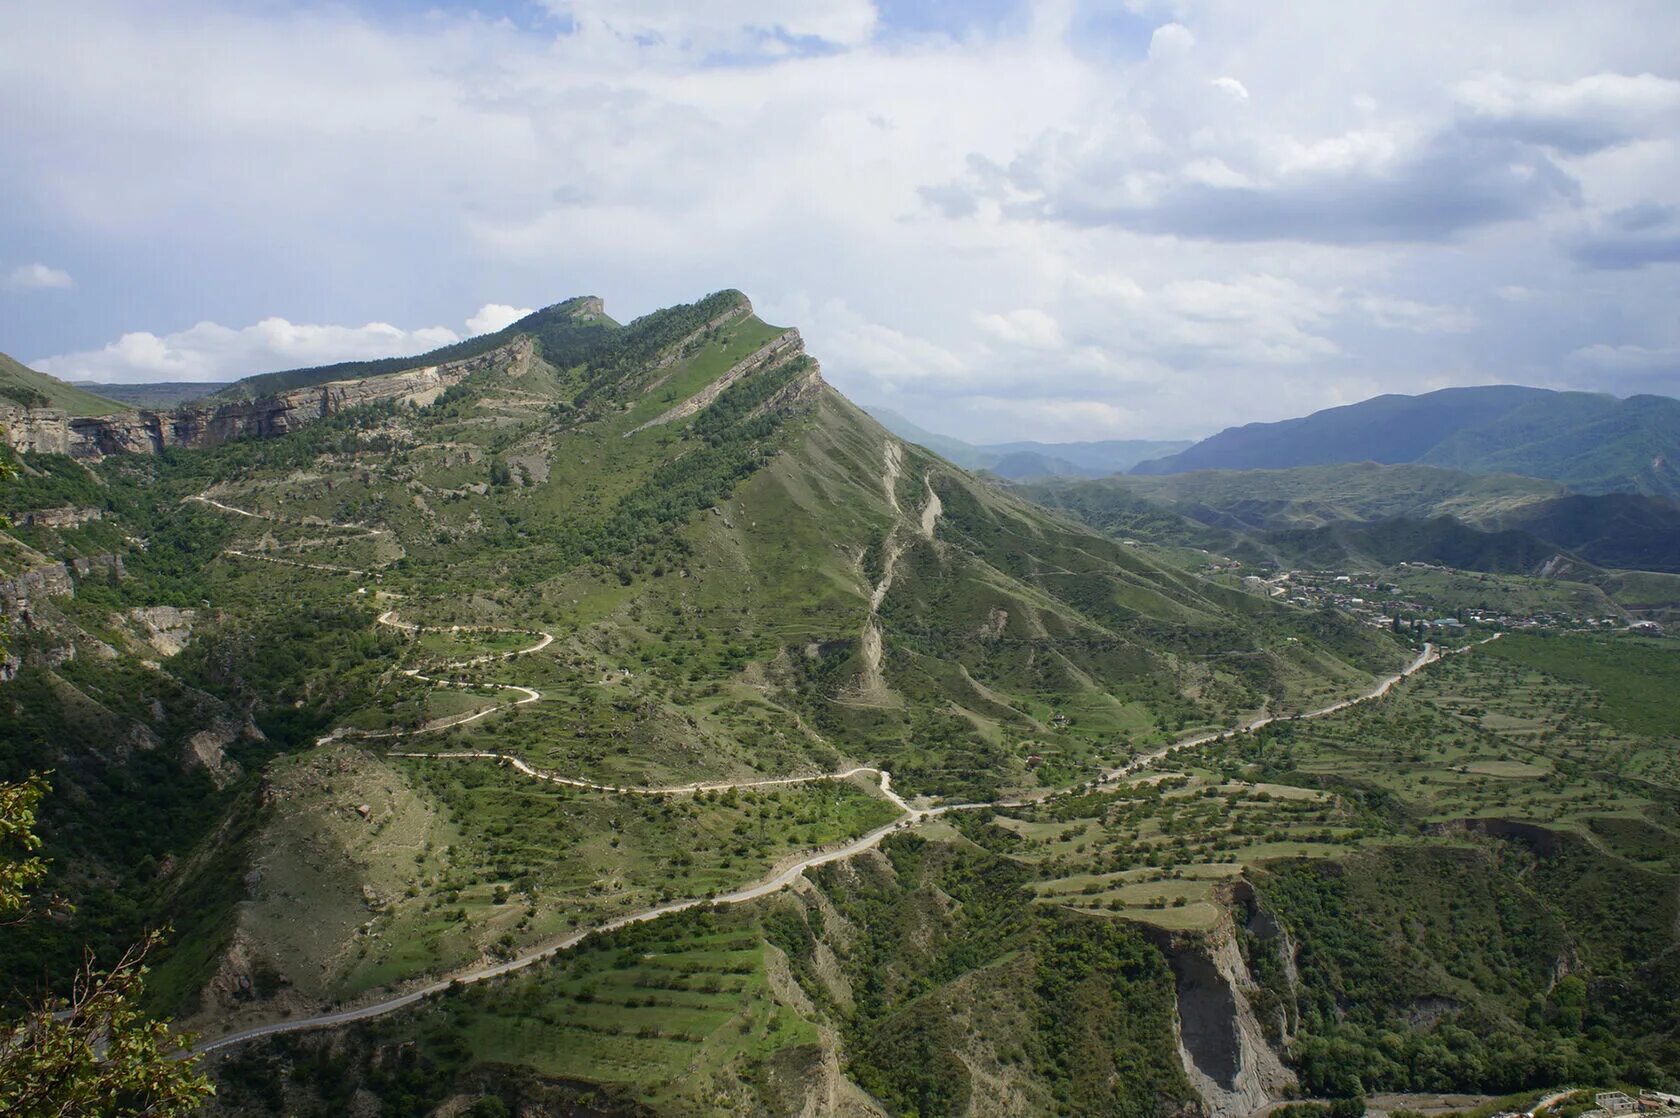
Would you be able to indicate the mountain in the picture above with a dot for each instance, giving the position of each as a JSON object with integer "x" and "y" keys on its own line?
{"x": 1314, "y": 517}
{"x": 569, "y": 332}
{"x": 1592, "y": 443}
{"x": 157, "y": 395}
{"x": 1022, "y": 461}
{"x": 616, "y": 720}
{"x": 23, "y": 387}
{"x": 1613, "y": 530}
{"x": 1310, "y": 496}
{"x": 1619, "y": 530}
{"x": 1385, "y": 543}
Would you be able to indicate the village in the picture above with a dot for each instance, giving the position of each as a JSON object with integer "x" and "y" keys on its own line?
{"x": 1383, "y": 603}
{"x": 1612, "y": 1104}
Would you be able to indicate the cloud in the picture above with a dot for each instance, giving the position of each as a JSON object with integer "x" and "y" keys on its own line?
{"x": 1360, "y": 187}
{"x": 36, "y": 277}
{"x": 1393, "y": 313}
{"x": 492, "y": 317}
{"x": 1631, "y": 237}
{"x": 875, "y": 179}
{"x": 211, "y": 352}
{"x": 1170, "y": 39}
{"x": 1628, "y": 358}
{"x": 1026, "y": 327}
{"x": 1577, "y": 117}
{"x": 1232, "y": 86}
{"x": 722, "y": 24}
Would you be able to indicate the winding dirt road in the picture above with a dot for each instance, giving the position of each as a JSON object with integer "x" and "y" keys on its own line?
{"x": 213, "y": 503}
{"x": 776, "y": 881}
{"x": 527, "y": 694}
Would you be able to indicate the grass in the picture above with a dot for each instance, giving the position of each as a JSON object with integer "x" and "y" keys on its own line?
{"x": 1485, "y": 734}
{"x": 23, "y": 386}
{"x": 1155, "y": 852}
{"x": 456, "y": 858}
{"x": 667, "y": 1012}
{"x": 453, "y": 858}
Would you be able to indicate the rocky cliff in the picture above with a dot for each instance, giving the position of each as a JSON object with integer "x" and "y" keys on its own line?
{"x": 19, "y": 593}
{"x": 206, "y": 424}
{"x": 1221, "y": 1042}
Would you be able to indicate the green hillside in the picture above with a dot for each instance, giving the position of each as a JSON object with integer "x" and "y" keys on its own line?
{"x": 25, "y": 387}
{"x": 635, "y": 619}
{"x": 1313, "y": 496}
{"x": 569, "y": 330}
{"x": 1385, "y": 543}
{"x": 1590, "y": 442}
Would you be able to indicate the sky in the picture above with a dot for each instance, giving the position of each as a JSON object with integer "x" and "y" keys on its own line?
{"x": 1056, "y": 221}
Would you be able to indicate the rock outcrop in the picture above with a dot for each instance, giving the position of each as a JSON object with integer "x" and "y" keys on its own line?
{"x": 781, "y": 349}
{"x": 20, "y": 592}
{"x": 165, "y": 628}
{"x": 206, "y": 750}
{"x": 206, "y": 424}
{"x": 66, "y": 517}
{"x": 1221, "y": 1042}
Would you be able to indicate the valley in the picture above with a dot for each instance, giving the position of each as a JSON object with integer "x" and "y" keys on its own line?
{"x": 629, "y": 724}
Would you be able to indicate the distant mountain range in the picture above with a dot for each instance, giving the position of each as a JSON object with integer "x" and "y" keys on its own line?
{"x": 156, "y": 394}
{"x": 1366, "y": 512}
{"x": 1592, "y": 443}
{"x": 1026, "y": 461}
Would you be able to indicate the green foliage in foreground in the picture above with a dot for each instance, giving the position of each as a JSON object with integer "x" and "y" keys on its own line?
{"x": 98, "y": 1056}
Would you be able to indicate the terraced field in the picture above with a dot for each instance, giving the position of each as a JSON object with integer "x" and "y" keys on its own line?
{"x": 1156, "y": 851}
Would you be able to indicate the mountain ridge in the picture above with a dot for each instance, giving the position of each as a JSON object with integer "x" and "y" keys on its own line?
{"x": 1023, "y": 461}
{"x": 1589, "y": 441}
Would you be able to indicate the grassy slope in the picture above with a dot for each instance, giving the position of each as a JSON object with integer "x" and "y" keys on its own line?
{"x": 568, "y": 337}
{"x": 1313, "y": 496}
{"x": 20, "y": 384}
{"x": 694, "y": 643}
{"x": 730, "y": 647}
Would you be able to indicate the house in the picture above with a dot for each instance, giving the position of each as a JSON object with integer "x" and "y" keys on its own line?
{"x": 1614, "y": 1102}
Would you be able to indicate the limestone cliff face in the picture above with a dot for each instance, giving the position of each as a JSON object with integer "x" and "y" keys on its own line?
{"x": 51, "y": 431}
{"x": 67, "y": 516}
{"x": 781, "y": 349}
{"x": 19, "y": 593}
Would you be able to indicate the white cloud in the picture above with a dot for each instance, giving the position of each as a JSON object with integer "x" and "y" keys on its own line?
{"x": 37, "y": 277}
{"x": 1583, "y": 115}
{"x": 1170, "y": 39}
{"x": 1026, "y": 326}
{"x": 1197, "y": 259}
{"x": 1628, "y": 358}
{"x": 212, "y": 352}
{"x": 1394, "y": 313}
{"x": 722, "y": 24}
{"x": 494, "y": 316}
{"x": 1232, "y": 86}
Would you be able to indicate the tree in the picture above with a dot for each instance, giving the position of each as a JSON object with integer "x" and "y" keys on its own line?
{"x": 97, "y": 1054}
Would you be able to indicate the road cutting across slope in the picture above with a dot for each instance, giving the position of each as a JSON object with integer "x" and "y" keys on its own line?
{"x": 779, "y": 879}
